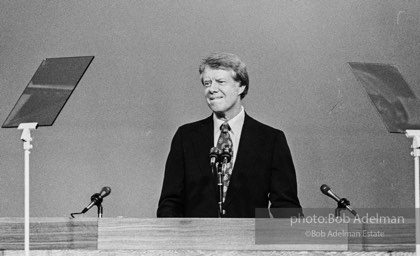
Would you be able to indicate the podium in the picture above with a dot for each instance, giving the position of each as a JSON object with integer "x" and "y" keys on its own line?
{"x": 187, "y": 236}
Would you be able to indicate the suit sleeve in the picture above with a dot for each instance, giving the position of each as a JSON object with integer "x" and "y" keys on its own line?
{"x": 283, "y": 188}
{"x": 171, "y": 202}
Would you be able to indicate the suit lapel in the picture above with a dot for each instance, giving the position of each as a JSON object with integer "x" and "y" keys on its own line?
{"x": 203, "y": 142}
{"x": 245, "y": 158}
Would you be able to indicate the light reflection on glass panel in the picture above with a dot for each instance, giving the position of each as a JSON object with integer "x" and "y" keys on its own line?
{"x": 48, "y": 91}
{"x": 395, "y": 102}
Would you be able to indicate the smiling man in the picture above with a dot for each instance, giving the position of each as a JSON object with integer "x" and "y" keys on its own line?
{"x": 260, "y": 174}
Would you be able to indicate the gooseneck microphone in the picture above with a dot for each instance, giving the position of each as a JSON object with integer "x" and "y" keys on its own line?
{"x": 342, "y": 202}
{"x": 97, "y": 198}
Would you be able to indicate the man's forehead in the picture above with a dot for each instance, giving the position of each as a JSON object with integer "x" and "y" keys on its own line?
{"x": 215, "y": 72}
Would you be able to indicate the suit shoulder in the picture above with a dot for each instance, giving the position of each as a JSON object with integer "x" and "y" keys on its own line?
{"x": 264, "y": 127}
{"x": 196, "y": 124}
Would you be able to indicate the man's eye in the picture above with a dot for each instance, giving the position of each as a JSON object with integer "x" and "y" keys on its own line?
{"x": 206, "y": 84}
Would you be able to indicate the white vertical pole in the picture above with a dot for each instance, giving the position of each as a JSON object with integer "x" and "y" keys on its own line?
{"x": 27, "y": 152}
{"x": 415, "y": 135}
{"x": 417, "y": 203}
{"x": 26, "y": 138}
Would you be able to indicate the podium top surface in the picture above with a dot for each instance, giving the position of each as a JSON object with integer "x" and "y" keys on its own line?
{"x": 48, "y": 91}
{"x": 238, "y": 236}
{"x": 396, "y": 103}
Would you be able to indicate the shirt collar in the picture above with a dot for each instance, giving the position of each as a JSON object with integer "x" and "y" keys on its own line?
{"x": 235, "y": 123}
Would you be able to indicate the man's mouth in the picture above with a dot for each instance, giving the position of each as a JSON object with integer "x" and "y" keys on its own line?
{"x": 215, "y": 98}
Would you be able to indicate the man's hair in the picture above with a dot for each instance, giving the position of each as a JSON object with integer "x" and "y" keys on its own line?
{"x": 226, "y": 61}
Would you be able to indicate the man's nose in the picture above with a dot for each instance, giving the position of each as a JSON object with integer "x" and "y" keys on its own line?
{"x": 214, "y": 87}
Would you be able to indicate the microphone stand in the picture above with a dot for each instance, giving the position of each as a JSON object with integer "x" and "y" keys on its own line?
{"x": 341, "y": 205}
{"x": 218, "y": 177}
{"x": 220, "y": 174}
{"x": 226, "y": 156}
{"x": 100, "y": 211}
{"x": 98, "y": 204}
{"x": 218, "y": 169}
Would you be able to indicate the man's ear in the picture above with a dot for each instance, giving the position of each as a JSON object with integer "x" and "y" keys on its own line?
{"x": 241, "y": 89}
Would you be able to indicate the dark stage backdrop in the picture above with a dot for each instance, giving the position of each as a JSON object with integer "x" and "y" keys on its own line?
{"x": 117, "y": 127}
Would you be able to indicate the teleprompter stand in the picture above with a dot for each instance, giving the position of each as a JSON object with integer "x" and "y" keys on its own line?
{"x": 415, "y": 135}
{"x": 27, "y": 146}
{"x": 399, "y": 109}
{"x": 40, "y": 104}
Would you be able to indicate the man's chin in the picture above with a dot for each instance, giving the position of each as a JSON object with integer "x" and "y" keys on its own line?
{"x": 217, "y": 110}
{"x": 216, "y": 107}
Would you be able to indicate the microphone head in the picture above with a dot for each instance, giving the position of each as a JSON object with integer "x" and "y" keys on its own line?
{"x": 227, "y": 153}
{"x": 214, "y": 155}
{"x": 215, "y": 152}
{"x": 325, "y": 189}
{"x": 328, "y": 192}
{"x": 105, "y": 192}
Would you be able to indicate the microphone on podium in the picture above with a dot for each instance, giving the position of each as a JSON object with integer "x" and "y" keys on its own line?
{"x": 222, "y": 157}
{"x": 96, "y": 199}
{"x": 342, "y": 202}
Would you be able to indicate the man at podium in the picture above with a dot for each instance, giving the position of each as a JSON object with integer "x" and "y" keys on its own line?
{"x": 260, "y": 170}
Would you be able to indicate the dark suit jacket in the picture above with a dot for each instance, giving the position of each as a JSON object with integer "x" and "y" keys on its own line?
{"x": 263, "y": 172}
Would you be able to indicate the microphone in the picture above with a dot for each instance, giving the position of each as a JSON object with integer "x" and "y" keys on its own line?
{"x": 226, "y": 157}
{"x": 97, "y": 198}
{"x": 214, "y": 155}
{"x": 226, "y": 154}
{"x": 326, "y": 190}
